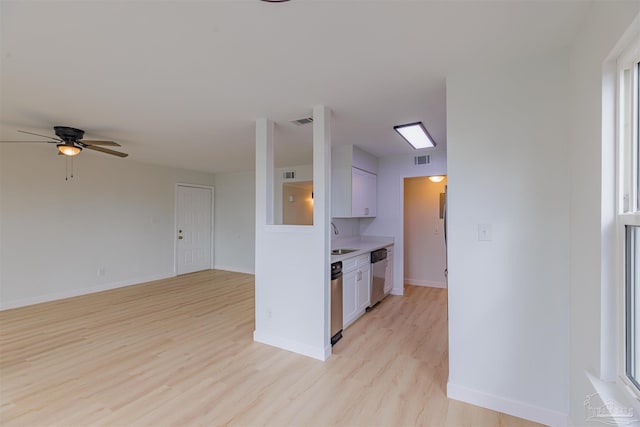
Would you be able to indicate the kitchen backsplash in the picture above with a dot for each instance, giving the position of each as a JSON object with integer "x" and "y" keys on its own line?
{"x": 347, "y": 227}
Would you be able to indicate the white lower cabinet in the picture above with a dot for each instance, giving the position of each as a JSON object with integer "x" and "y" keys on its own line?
{"x": 356, "y": 287}
{"x": 349, "y": 301}
{"x": 363, "y": 287}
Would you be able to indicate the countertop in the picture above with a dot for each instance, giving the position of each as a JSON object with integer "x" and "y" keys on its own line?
{"x": 362, "y": 244}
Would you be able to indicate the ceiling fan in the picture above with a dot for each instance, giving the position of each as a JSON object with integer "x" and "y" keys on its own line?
{"x": 69, "y": 142}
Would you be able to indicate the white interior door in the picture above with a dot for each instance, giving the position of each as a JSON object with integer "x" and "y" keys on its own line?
{"x": 194, "y": 222}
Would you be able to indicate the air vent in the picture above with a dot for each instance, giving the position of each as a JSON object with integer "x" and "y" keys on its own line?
{"x": 422, "y": 160}
{"x": 289, "y": 175}
{"x": 303, "y": 121}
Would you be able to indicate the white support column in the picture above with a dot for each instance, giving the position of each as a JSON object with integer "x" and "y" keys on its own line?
{"x": 322, "y": 196}
{"x": 292, "y": 261}
{"x": 264, "y": 172}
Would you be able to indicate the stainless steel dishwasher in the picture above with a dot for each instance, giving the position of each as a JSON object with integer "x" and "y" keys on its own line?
{"x": 336, "y": 302}
{"x": 378, "y": 272}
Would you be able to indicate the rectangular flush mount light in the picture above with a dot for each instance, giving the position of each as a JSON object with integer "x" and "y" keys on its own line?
{"x": 416, "y": 135}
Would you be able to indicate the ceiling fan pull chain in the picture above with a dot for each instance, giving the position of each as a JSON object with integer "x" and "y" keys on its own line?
{"x": 68, "y": 167}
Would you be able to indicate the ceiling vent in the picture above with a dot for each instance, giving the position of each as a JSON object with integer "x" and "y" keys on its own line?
{"x": 422, "y": 160}
{"x": 303, "y": 121}
{"x": 289, "y": 175}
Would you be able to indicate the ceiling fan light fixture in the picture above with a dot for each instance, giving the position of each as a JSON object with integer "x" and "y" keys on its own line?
{"x": 416, "y": 135}
{"x": 69, "y": 149}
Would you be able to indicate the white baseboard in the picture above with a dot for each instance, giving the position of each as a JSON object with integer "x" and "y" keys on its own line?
{"x": 235, "y": 269}
{"x": 23, "y": 302}
{"x": 294, "y": 346}
{"x": 397, "y": 291}
{"x": 508, "y": 406}
{"x": 427, "y": 283}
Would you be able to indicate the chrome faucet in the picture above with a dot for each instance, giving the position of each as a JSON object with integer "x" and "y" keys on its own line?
{"x": 335, "y": 229}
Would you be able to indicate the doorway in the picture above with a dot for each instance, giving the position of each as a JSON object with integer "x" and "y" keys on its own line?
{"x": 297, "y": 203}
{"x": 425, "y": 260}
{"x": 194, "y": 228}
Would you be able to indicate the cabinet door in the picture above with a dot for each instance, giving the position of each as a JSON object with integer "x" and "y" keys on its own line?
{"x": 349, "y": 302}
{"x": 363, "y": 193}
{"x": 363, "y": 286}
{"x": 371, "y": 194}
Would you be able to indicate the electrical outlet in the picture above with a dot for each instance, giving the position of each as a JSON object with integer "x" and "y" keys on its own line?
{"x": 484, "y": 232}
{"x": 101, "y": 272}
{"x": 269, "y": 314}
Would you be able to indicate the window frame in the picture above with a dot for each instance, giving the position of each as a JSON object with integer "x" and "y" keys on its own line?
{"x": 630, "y": 315}
{"x": 627, "y": 197}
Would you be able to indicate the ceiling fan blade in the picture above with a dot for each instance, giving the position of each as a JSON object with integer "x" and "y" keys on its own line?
{"x": 33, "y": 142}
{"x": 106, "y": 150}
{"x": 37, "y": 134}
{"x": 108, "y": 143}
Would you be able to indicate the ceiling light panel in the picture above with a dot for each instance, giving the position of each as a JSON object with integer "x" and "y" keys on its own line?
{"x": 416, "y": 135}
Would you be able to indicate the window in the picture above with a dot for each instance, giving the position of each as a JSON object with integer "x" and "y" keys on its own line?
{"x": 632, "y": 292}
{"x": 629, "y": 206}
{"x": 637, "y": 136}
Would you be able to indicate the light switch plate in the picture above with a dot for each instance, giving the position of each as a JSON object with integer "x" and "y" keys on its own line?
{"x": 484, "y": 232}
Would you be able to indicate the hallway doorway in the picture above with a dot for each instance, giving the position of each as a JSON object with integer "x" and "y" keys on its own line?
{"x": 425, "y": 260}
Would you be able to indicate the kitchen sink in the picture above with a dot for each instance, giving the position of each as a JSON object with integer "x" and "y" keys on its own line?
{"x": 342, "y": 251}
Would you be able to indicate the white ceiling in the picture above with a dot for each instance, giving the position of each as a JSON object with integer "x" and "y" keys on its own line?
{"x": 181, "y": 82}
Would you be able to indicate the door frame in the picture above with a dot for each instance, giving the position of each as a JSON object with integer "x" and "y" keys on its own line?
{"x": 175, "y": 224}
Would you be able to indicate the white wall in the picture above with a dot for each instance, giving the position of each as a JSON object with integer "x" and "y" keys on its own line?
{"x": 508, "y": 297}
{"x": 389, "y": 220}
{"x": 235, "y": 213}
{"x": 115, "y": 214}
{"x": 424, "y": 246}
{"x": 592, "y": 202}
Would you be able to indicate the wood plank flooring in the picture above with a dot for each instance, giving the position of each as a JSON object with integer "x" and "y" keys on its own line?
{"x": 179, "y": 352}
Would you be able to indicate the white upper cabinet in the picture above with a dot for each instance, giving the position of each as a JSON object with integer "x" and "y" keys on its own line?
{"x": 361, "y": 159}
{"x": 363, "y": 193}
{"x": 354, "y": 183}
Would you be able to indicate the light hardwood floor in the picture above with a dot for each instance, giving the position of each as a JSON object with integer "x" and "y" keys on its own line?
{"x": 180, "y": 352}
